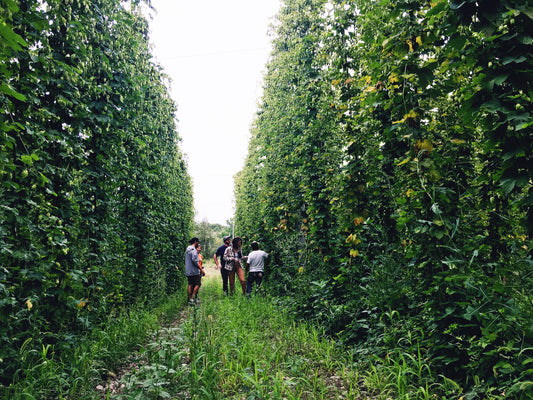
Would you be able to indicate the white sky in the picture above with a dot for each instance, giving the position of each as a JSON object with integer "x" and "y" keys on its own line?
{"x": 215, "y": 52}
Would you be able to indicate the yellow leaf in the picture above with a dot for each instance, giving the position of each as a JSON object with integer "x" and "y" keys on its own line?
{"x": 409, "y": 77}
{"x": 409, "y": 192}
{"x": 403, "y": 162}
{"x": 419, "y": 40}
{"x": 410, "y": 45}
{"x": 29, "y": 304}
{"x": 354, "y": 252}
{"x": 457, "y": 141}
{"x": 359, "y": 221}
{"x": 411, "y": 114}
{"x": 393, "y": 78}
{"x": 424, "y": 145}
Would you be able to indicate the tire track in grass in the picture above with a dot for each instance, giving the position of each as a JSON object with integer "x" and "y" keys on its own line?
{"x": 161, "y": 367}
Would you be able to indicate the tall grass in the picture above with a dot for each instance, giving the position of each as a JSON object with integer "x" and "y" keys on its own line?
{"x": 250, "y": 348}
{"x": 75, "y": 373}
{"x": 227, "y": 348}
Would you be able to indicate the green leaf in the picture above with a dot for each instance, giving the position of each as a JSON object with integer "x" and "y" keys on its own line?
{"x": 7, "y": 89}
{"x": 526, "y": 40}
{"x": 528, "y": 12}
{"x": 11, "y": 5}
{"x": 28, "y": 160}
{"x": 509, "y": 59}
{"x": 492, "y": 105}
{"x": 508, "y": 185}
{"x": 456, "y": 6}
{"x": 15, "y": 41}
{"x": 436, "y": 9}
{"x": 500, "y": 79}
{"x": 457, "y": 42}
{"x": 523, "y": 125}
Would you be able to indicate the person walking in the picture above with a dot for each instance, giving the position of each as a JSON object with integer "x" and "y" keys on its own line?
{"x": 223, "y": 271}
{"x": 256, "y": 264}
{"x": 234, "y": 259}
{"x": 193, "y": 271}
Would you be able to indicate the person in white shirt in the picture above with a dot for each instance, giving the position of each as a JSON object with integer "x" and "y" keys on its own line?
{"x": 256, "y": 264}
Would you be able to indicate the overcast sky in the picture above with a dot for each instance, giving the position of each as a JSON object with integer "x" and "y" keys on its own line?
{"x": 215, "y": 53}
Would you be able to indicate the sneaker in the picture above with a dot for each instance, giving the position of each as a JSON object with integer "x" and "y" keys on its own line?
{"x": 197, "y": 301}
{"x": 191, "y": 302}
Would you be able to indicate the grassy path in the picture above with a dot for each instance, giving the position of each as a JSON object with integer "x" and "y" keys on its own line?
{"x": 236, "y": 348}
{"x": 227, "y": 348}
{"x": 249, "y": 348}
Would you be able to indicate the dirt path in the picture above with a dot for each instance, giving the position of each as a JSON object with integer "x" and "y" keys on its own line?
{"x": 115, "y": 385}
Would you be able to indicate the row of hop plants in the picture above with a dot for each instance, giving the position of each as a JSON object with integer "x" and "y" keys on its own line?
{"x": 388, "y": 172}
{"x": 95, "y": 199}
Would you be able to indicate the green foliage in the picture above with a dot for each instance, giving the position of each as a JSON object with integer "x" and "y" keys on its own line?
{"x": 80, "y": 371}
{"x": 95, "y": 200}
{"x": 388, "y": 169}
{"x": 210, "y": 236}
{"x": 214, "y": 355}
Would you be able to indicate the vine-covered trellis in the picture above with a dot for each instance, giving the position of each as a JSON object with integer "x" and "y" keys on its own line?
{"x": 95, "y": 199}
{"x": 389, "y": 171}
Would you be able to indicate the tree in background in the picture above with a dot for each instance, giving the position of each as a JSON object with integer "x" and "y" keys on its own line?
{"x": 210, "y": 236}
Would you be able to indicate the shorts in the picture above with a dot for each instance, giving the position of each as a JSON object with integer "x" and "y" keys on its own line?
{"x": 195, "y": 280}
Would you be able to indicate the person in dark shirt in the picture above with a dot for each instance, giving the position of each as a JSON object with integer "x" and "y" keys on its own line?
{"x": 223, "y": 271}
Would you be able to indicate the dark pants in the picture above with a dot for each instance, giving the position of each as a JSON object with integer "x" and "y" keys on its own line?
{"x": 224, "y": 273}
{"x": 256, "y": 277}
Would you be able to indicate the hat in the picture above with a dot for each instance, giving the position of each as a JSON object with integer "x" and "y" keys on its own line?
{"x": 226, "y": 238}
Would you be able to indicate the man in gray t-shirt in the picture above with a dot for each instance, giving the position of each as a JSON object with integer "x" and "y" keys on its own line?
{"x": 193, "y": 270}
{"x": 256, "y": 263}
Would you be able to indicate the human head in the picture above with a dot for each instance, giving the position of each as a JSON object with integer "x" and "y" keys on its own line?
{"x": 236, "y": 242}
{"x": 198, "y": 247}
{"x": 226, "y": 240}
{"x": 255, "y": 245}
{"x": 194, "y": 240}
